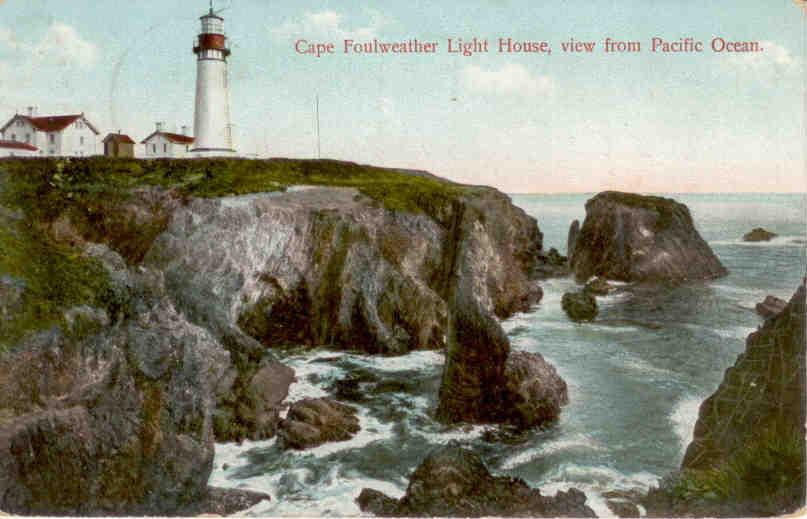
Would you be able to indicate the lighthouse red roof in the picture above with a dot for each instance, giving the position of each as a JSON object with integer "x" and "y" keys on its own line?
{"x": 15, "y": 145}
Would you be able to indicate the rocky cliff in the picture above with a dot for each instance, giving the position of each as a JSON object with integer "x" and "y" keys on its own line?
{"x": 747, "y": 455}
{"x": 629, "y": 237}
{"x": 141, "y": 301}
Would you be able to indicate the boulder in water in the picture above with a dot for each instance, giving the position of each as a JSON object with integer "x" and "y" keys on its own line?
{"x": 598, "y": 287}
{"x": 629, "y": 237}
{"x": 759, "y": 234}
{"x": 535, "y": 389}
{"x": 579, "y": 306}
{"x": 314, "y": 421}
{"x": 454, "y": 482}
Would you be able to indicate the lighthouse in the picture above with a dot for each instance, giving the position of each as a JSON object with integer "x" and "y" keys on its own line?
{"x": 212, "y": 128}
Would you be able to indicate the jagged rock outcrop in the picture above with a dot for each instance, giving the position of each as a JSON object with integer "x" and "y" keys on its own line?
{"x": 571, "y": 239}
{"x": 770, "y": 307}
{"x": 119, "y": 411}
{"x": 117, "y": 422}
{"x": 764, "y": 389}
{"x": 314, "y": 421}
{"x": 747, "y": 455}
{"x": 454, "y": 482}
{"x": 629, "y": 237}
{"x": 579, "y": 306}
{"x": 759, "y": 234}
{"x": 474, "y": 382}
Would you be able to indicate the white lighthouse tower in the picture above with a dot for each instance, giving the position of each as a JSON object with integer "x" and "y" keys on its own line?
{"x": 212, "y": 128}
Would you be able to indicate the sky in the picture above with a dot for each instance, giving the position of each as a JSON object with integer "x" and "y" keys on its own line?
{"x": 706, "y": 122}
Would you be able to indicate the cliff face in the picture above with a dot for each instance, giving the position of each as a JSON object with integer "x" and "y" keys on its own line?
{"x": 113, "y": 407}
{"x": 106, "y": 418}
{"x": 748, "y": 450}
{"x": 630, "y": 237}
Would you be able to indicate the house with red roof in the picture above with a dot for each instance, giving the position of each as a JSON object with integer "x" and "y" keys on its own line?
{"x": 162, "y": 144}
{"x": 17, "y": 149}
{"x": 53, "y": 135}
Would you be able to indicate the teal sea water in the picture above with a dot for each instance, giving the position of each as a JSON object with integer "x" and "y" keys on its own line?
{"x": 636, "y": 376}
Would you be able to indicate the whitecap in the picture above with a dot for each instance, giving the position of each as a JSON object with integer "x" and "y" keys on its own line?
{"x": 779, "y": 241}
{"x": 683, "y": 418}
{"x": 576, "y": 442}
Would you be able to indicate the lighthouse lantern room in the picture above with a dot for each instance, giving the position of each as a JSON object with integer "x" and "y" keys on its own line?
{"x": 212, "y": 128}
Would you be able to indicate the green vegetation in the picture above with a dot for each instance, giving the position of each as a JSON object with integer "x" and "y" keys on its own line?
{"x": 92, "y": 198}
{"x": 769, "y": 472}
{"x": 47, "y": 187}
{"x": 54, "y": 277}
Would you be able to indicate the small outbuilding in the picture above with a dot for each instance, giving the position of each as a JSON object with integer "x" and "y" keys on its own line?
{"x": 119, "y": 145}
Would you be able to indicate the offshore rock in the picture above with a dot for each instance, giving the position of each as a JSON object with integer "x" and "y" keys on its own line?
{"x": 312, "y": 422}
{"x": 490, "y": 257}
{"x": 629, "y": 237}
{"x": 571, "y": 239}
{"x": 454, "y": 482}
{"x": 579, "y": 306}
{"x": 535, "y": 390}
{"x": 759, "y": 234}
{"x": 598, "y": 287}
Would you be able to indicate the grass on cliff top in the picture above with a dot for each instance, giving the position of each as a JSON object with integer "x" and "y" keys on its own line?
{"x": 45, "y": 186}
{"x": 55, "y": 278}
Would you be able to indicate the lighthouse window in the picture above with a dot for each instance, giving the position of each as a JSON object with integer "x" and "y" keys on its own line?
{"x": 28, "y": 138}
{"x": 13, "y": 136}
{"x": 81, "y": 140}
{"x": 154, "y": 148}
{"x": 52, "y": 138}
{"x": 165, "y": 148}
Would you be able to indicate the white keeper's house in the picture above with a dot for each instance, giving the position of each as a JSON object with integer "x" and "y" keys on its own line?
{"x": 17, "y": 149}
{"x": 53, "y": 135}
{"x": 162, "y": 144}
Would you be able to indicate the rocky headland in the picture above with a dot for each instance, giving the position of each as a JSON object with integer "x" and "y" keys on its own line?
{"x": 142, "y": 301}
{"x": 636, "y": 238}
{"x": 747, "y": 455}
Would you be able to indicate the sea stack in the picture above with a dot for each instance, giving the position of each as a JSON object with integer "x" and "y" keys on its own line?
{"x": 630, "y": 237}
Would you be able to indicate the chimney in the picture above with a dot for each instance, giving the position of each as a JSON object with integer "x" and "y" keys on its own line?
{"x": 184, "y": 130}
{"x": 31, "y": 111}
{"x": 160, "y": 126}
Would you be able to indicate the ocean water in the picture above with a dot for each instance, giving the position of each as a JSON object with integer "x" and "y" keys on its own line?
{"x": 636, "y": 376}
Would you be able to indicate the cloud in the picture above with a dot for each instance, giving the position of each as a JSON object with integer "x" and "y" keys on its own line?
{"x": 510, "y": 79}
{"x": 329, "y": 24}
{"x": 773, "y": 56}
{"x": 62, "y": 44}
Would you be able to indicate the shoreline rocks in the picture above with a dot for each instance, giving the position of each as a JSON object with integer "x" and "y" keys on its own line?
{"x": 770, "y": 307}
{"x": 580, "y": 306}
{"x": 454, "y": 482}
{"x": 630, "y": 237}
{"x": 314, "y": 421}
{"x": 759, "y": 234}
